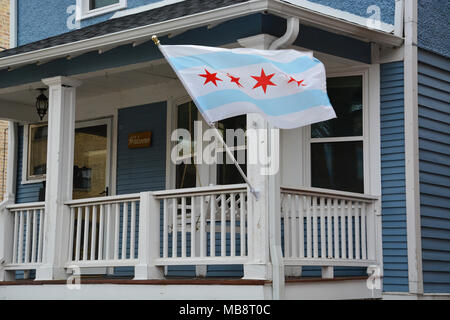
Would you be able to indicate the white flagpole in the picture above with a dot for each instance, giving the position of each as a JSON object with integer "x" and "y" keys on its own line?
{"x": 219, "y": 137}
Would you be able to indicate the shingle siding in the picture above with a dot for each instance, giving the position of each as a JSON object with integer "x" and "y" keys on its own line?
{"x": 434, "y": 163}
{"x": 393, "y": 178}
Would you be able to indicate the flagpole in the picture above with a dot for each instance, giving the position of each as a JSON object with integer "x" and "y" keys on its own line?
{"x": 221, "y": 140}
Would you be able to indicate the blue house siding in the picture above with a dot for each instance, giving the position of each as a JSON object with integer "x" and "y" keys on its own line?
{"x": 24, "y": 192}
{"x": 393, "y": 178}
{"x": 434, "y": 162}
{"x": 143, "y": 169}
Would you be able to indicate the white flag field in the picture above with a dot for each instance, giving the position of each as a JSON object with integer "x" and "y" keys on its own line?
{"x": 287, "y": 87}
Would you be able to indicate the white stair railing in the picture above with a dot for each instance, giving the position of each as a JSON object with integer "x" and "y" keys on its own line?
{"x": 328, "y": 228}
{"x": 204, "y": 225}
{"x": 103, "y": 231}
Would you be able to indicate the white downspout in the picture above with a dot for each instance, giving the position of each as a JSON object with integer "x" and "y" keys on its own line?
{"x": 276, "y": 256}
{"x": 398, "y": 19}
{"x": 12, "y": 23}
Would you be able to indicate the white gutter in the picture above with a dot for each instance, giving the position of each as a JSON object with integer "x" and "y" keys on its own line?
{"x": 276, "y": 256}
{"x": 279, "y": 8}
{"x": 412, "y": 190}
{"x": 12, "y": 23}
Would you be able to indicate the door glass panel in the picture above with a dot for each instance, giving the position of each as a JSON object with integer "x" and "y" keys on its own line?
{"x": 227, "y": 173}
{"x": 186, "y": 171}
{"x": 37, "y": 151}
{"x": 90, "y": 162}
{"x": 338, "y": 166}
{"x": 346, "y": 98}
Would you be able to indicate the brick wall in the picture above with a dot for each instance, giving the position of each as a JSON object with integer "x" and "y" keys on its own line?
{"x": 4, "y": 42}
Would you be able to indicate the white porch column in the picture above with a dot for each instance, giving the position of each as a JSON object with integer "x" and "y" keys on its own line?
{"x": 60, "y": 148}
{"x": 6, "y": 218}
{"x": 264, "y": 213}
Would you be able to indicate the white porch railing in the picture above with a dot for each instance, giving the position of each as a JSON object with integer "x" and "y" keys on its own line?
{"x": 27, "y": 235}
{"x": 328, "y": 228}
{"x": 103, "y": 231}
{"x": 204, "y": 225}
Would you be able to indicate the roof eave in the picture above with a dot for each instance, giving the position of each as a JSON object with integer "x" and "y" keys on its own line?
{"x": 215, "y": 16}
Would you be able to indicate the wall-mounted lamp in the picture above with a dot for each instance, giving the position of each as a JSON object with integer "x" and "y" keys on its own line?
{"x": 42, "y": 104}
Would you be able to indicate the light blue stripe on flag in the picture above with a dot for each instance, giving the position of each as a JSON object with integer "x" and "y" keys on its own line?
{"x": 273, "y": 107}
{"x": 227, "y": 60}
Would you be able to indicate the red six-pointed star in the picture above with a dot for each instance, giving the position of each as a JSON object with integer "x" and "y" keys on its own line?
{"x": 235, "y": 80}
{"x": 263, "y": 80}
{"x": 210, "y": 77}
{"x": 298, "y": 82}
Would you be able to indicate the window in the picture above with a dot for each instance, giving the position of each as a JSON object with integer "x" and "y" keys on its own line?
{"x": 91, "y": 157}
{"x": 91, "y": 8}
{"x": 337, "y": 159}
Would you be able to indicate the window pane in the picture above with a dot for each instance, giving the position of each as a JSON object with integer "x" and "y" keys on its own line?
{"x": 186, "y": 173}
{"x": 89, "y": 170}
{"x": 95, "y": 4}
{"x": 338, "y": 166}
{"x": 346, "y": 97}
{"x": 227, "y": 173}
{"x": 38, "y": 151}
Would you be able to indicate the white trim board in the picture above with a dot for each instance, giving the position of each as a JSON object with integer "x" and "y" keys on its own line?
{"x": 340, "y": 14}
{"x": 147, "y": 7}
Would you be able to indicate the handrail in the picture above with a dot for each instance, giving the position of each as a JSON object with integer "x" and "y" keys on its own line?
{"x": 103, "y": 200}
{"x": 310, "y": 191}
{"x": 29, "y": 205}
{"x": 164, "y": 194}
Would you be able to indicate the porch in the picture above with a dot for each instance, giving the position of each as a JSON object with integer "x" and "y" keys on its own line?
{"x": 202, "y": 226}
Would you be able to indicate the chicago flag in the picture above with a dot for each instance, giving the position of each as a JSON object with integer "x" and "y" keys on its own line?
{"x": 287, "y": 87}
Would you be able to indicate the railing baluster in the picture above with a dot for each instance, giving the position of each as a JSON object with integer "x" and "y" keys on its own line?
{"x": 357, "y": 236}
{"x": 329, "y": 229}
{"x": 323, "y": 241}
{"x": 21, "y": 227}
{"x": 223, "y": 225}
{"x": 300, "y": 201}
{"x": 27, "y": 237}
{"x": 193, "y": 227}
{"x": 165, "y": 229}
{"x": 294, "y": 231}
{"x": 233, "y": 225}
{"x": 41, "y": 234}
{"x": 242, "y": 223}
{"x": 109, "y": 226}
{"x": 124, "y": 230}
{"x": 71, "y": 233}
{"x": 343, "y": 234}
{"x": 315, "y": 229}
{"x": 34, "y": 239}
{"x": 336, "y": 228}
{"x": 116, "y": 231}
{"x": 78, "y": 237}
{"x": 212, "y": 225}
{"x": 287, "y": 238}
{"x": 308, "y": 228}
{"x": 174, "y": 227}
{"x": 202, "y": 227}
{"x": 16, "y": 236}
{"x": 94, "y": 232}
{"x": 100, "y": 232}
{"x": 350, "y": 229}
{"x": 133, "y": 230}
{"x": 363, "y": 232}
{"x": 86, "y": 232}
{"x": 183, "y": 227}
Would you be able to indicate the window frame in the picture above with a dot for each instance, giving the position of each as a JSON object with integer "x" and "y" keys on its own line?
{"x": 365, "y": 138}
{"x": 27, "y": 179}
{"x": 83, "y": 10}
